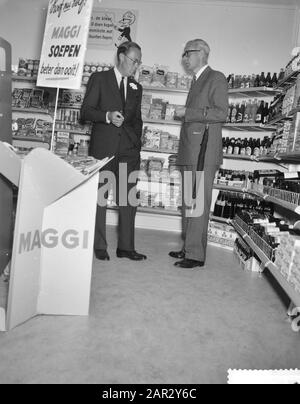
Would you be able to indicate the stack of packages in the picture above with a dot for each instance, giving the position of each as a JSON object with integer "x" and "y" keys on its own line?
{"x": 159, "y": 76}
{"x": 294, "y": 129}
{"x": 156, "y": 139}
{"x": 288, "y": 260}
{"x": 221, "y": 235}
{"x": 294, "y": 136}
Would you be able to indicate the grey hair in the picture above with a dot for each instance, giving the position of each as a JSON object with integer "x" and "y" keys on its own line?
{"x": 201, "y": 45}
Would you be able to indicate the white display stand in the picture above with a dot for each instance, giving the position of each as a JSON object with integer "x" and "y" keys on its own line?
{"x": 54, "y": 234}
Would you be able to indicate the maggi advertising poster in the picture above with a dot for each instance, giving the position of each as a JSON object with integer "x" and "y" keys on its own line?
{"x": 111, "y": 27}
{"x": 65, "y": 43}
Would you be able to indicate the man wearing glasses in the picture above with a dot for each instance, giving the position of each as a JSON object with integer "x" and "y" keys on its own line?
{"x": 207, "y": 106}
{"x": 113, "y": 104}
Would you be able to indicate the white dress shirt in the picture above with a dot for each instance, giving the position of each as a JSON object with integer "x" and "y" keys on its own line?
{"x": 119, "y": 79}
{"x": 201, "y": 71}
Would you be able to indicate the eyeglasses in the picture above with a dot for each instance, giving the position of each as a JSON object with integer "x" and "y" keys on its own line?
{"x": 186, "y": 54}
{"x": 136, "y": 62}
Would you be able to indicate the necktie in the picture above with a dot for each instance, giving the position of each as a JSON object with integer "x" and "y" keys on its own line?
{"x": 194, "y": 80}
{"x": 122, "y": 92}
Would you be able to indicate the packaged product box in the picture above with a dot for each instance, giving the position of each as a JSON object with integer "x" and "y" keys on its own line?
{"x": 164, "y": 139}
{"x": 171, "y": 80}
{"x": 159, "y": 76}
{"x": 294, "y": 132}
{"x": 145, "y": 76}
{"x": 70, "y": 98}
{"x": 36, "y": 99}
{"x": 156, "y": 112}
{"x": 62, "y": 143}
{"x": 296, "y": 103}
{"x": 151, "y": 138}
{"x": 183, "y": 83}
{"x": 170, "y": 112}
{"x": 146, "y": 100}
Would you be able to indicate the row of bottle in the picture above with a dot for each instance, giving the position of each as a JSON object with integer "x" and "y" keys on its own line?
{"x": 246, "y": 147}
{"x": 229, "y": 204}
{"x": 254, "y": 80}
{"x": 252, "y": 112}
{"x": 267, "y": 227}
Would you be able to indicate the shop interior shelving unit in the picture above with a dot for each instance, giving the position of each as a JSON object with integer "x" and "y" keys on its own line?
{"x": 164, "y": 219}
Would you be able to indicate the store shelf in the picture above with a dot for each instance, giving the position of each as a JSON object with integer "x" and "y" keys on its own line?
{"x": 157, "y": 181}
{"x": 239, "y": 157}
{"x": 76, "y": 107}
{"x": 165, "y": 90}
{"x": 227, "y": 188}
{"x": 236, "y": 92}
{"x": 159, "y": 211}
{"x": 162, "y": 122}
{"x": 293, "y": 295}
{"x": 253, "y": 92}
{"x": 248, "y": 127}
{"x": 220, "y": 220}
{"x": 147, "y": 150}
{"x": 279, "y": 119}
{"x": 74, "y": 132}
{"x": 30, "y": 139}
{"x": 287, "y": 81}
{"x": 24, "y": 79}
{"x": 31, "y": 111}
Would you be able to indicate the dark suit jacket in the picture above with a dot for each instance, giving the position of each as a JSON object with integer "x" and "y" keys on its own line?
{"x": 103, "y": 95}
{"x": 207, "y": 103}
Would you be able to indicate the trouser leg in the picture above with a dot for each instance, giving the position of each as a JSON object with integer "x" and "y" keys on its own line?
{"x": 197, "y": 227}
{"x": 100, "y": 242}
{"x": 127, "y": 214}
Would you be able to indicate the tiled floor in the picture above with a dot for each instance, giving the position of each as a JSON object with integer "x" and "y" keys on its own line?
{"x": 153, "y": 323}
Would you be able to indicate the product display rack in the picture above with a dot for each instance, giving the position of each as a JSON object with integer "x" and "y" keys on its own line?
{"x": 266, "y": 263}
{"x": 31, "y": 110}
{"x": 287, "y": 81}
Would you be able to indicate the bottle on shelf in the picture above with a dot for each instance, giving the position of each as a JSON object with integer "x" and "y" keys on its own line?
{"x": 268, "y": 80}
{"x": 234, "y": 114}
{"x": 281, "y": 75}
{"x": 266, "y": 113}
{"x": 257, "y": 81}
{"x": 247, "y": 113}
{"x": 260, "y": 113}
{"x": 262, "y": 80}
{"x": 254, "y": 109}
{"x": 274, "y": 81}
{"x": 241, "y": 113}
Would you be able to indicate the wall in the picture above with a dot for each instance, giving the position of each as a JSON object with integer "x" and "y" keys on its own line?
{"x": 243, "y": 38}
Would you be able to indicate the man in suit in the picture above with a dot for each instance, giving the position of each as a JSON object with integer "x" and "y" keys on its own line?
{"x": 207, "y": 104}
{"x": 113, "y": 104}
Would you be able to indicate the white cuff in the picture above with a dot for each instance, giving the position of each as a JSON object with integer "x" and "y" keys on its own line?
{"x": 107, "y": 119}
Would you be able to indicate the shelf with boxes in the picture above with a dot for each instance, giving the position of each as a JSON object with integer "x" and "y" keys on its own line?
{"x": 290, "y": 281}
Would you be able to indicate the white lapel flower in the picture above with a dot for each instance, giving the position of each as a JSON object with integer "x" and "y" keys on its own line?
{"x": 133, "y": 86}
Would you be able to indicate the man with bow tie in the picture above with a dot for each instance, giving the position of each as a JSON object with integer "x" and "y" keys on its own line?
{"x": 201, "y": 139}
{"x": 113, "y": 104}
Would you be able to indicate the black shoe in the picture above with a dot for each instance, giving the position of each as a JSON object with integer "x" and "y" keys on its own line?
{"x": 102, "y": 255}
{"x": 189, "y": 264}
{"x": 178, "y": 255}
{"x": 132, "y": 255}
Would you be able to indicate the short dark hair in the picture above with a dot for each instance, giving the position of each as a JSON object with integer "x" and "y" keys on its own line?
{"x": 125, "y": 48}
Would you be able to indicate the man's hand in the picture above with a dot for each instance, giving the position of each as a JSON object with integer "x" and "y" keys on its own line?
{"x": 116, "y": 118}
{"x": 180, "y": 112}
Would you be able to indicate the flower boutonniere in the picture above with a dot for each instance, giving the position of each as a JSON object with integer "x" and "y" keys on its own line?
{"x": 133, "y": 86}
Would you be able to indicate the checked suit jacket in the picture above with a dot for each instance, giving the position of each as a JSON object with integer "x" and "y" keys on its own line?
{"x": 207, "y": 103}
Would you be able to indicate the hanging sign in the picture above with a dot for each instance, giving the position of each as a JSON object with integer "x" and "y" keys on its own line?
{"x": 111, "y": 27}
{"x": 65, "y": 42}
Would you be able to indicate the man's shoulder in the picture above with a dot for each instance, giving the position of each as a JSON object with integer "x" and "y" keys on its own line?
{"x": 102, "y": 75}
{"x": 217, "y": 75}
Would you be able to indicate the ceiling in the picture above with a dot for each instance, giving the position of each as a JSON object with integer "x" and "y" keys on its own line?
{"x": 280, "y": 3}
